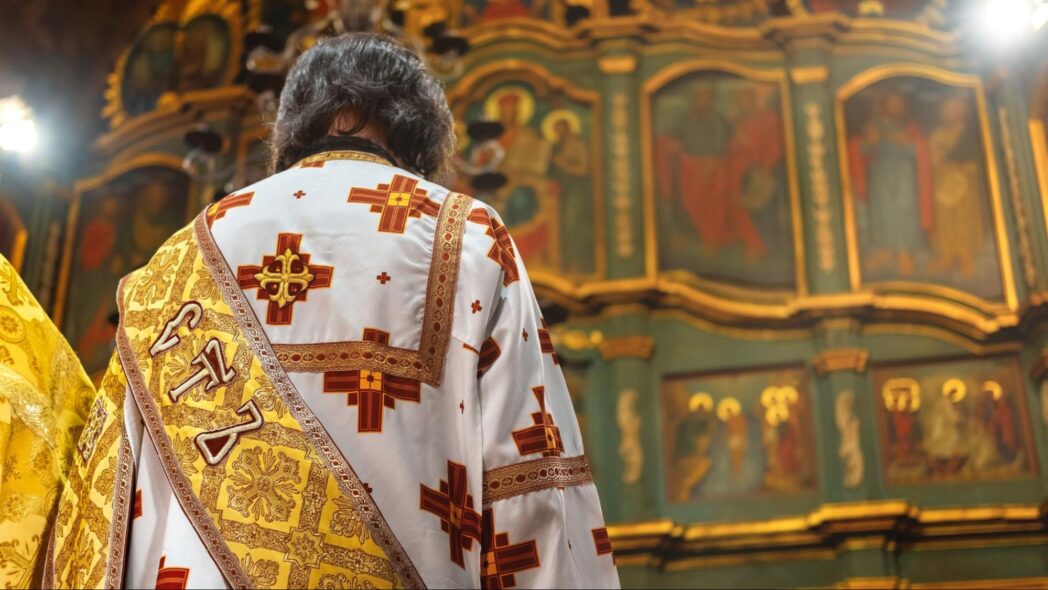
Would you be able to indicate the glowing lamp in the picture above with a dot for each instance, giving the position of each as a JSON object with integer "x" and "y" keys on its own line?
{"x": 17, "y": 128}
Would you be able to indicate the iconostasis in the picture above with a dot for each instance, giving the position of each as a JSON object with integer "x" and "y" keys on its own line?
{"x": 794, "y": 256}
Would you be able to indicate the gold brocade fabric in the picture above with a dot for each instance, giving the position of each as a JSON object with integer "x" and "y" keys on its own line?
{"x": 44, "y": 396}
{"x": 241, "y": 463}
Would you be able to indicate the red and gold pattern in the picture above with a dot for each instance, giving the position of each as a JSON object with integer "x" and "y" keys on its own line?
{"x": 395, "y": 202}
{"x": 89, "y": 539}
{"x": 532, "y": 476}
{"x": 500, "y": 559}
{"x": 372, "y": 391}
{"x": 285, "y": 278}
{"x": 265, "y": 497}
{"x": 546, "y": 343}
{"x": 218, "y": 210}
{"x": 502, "y": 251}
{"x": 425, "y": 364}
{"x": 602, "y": 541}
{"x": 171, "y": 578}
{"x": 489, "y": 353}
{"x": 544, "y": 436}
{"x": 453, "y": 504}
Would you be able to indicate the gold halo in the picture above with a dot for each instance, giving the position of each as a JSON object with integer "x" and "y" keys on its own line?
{"x": 527, "y": 104}
{"x": 993, "y": 388}
{"x": 700, "y": 401}
{"x": 778, "y": 414}
{"x": 560, "y": 115}
{"x": 893, "y": 389}
{"x": 776, "y": 396}
{"x": 728, "y": 408}
{"x": 955, "y": 390}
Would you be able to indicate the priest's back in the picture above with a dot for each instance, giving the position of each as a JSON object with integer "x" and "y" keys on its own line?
{"x": 338, "y": 376}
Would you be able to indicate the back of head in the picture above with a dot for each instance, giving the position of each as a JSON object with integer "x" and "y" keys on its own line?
{"x": 384, "y": 85}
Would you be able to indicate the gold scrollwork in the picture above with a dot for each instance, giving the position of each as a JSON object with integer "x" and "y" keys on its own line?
{"x": 822, "y": 214}
{"x": 629, "y": 431}
{"x": 577, "y": 339}
{"x": 1022, "y": 220}
{"x": 629, "y": 346}
{"x": 842, "y": 359}
{"x": 622, "y": 176}
{"x": 660, "y": 543}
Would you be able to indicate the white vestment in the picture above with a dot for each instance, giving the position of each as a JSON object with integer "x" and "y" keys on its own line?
{"x": 473, "y": 456}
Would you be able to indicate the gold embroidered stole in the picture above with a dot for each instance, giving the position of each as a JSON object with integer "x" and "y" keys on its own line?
{"x": 269, "y": 493}
{"x": 90, "y": 530}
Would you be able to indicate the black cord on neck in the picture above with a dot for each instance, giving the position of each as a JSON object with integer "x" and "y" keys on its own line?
{"x": 334, "y": 143}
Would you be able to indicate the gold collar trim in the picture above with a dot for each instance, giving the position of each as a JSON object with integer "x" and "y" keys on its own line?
{"x": 317, "y": 160}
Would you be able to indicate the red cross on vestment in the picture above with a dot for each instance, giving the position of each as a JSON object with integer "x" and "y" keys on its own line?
{"x": 500, "y": 560}
{"x": 489, "y": 353}
{"x": 544, "y": 436}
{"x": 502, "y": 250}
{"x": 284, "y": 278}
{"x": 396, "y": 202}
{"x": 171, "y": 578}
{"x": 602, "y": 540}
{"x": 453, "y": 504}
{"x": 372, "y": 391}
{"x": 218, "y": 210}
{"x": 546, "y": 343}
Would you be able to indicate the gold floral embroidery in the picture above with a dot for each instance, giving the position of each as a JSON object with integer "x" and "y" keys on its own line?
{"x": 12, "y": 328}
{"x": 15, "y": 508}
{"x": 263, "y": 571}
{"x": 84, "y": 553}
{"x": 305, "y": 548}
{"x": 18, "y": 562}
{"x": 43, "y": 461}
{"x": 106, "y": 478}
{"x": 346, "y": 522}
{"x": 268, "y": 398}
{"x": 334, "y": 582}
{"x": 263, "y": 484}
{"x": 187, "y": 454}
{"x": 156, "y": 279}
{"x": 204, "y": 288}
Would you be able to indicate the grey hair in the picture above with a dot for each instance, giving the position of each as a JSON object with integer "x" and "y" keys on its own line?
{"x": 385, "y": 84}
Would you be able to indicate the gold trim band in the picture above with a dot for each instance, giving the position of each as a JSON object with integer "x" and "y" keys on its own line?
{"x": 341, "y": 155}
{"x": 532, "y": 476}
{"x": 324, "y": 357}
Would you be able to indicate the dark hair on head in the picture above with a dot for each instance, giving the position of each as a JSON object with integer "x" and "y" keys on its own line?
{"x": 384, "y": 83}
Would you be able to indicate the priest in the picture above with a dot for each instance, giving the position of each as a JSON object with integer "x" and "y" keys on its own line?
{"x": 336, "y": 377}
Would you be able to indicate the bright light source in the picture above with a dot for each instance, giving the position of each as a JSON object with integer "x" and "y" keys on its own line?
{"x": 17, "y": 128}
{"x": 1040, "y": 17}
{"x": 1007, "y": 20}
{"x": 18, "y": 136}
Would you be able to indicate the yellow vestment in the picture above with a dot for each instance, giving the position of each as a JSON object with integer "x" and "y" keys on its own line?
{"x": 44, "y": 396}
